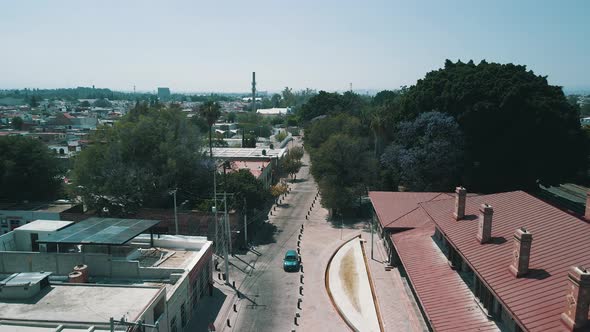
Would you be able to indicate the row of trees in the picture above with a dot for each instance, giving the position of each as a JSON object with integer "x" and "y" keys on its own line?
{"x": 151, "y": 152}
{"x": 33, "y": 96}
{"x": 491, "y": 127}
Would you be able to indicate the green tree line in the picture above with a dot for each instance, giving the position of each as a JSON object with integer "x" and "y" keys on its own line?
{"x": 488, "y": 126}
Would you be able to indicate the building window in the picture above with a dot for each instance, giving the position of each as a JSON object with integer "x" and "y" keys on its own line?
{"x": 173, "y": 327}
{"x": 182, "y": 315}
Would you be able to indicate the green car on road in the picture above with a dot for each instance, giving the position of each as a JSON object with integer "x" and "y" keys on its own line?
{"x": 291, "y": 262}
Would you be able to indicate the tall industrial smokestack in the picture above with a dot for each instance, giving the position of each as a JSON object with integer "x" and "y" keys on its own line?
{"x": 253, "y": 91}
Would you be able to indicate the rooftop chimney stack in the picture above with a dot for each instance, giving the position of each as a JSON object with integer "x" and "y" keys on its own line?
{"x": 460, "y": 199}
{"x": 577, "y": 298}
{"x": 521, "y": 252}
{"x": 484, "y": 231}
{"x": 587, "y": 213}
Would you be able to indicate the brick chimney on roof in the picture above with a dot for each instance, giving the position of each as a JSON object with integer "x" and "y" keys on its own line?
{"x": 577, "y": 298}
{"x": 460, "y": 200}
{"x": 521, "y": 252}
{"x": 587, "y": 214}
{"x": 484, "y": 230}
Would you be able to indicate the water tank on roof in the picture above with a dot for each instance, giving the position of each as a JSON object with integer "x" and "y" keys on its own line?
{"x": 76, "y": 277}
{"x": 82, "y": 268}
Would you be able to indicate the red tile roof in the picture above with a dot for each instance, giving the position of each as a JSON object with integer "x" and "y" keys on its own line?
{"x": 398, "y": 209}
{"x": 560, "y": 241}
{"x": 447, "y": 301}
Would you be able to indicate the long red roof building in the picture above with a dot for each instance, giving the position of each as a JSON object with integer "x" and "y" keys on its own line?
{"x": 506, "y": 261}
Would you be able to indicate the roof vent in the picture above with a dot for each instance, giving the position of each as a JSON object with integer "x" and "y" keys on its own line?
{"x": 460, "y": 200}
{"x": 484, "y": 230}
{"x": 521, "y": 252}
{"x": 575, "y": 315}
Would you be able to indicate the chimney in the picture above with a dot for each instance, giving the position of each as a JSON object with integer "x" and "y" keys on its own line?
{"x": 577, "y": 298}
{"x": 460, "y": 197}
{"x": 484, "y": 231}
{"x": 521, "y": 252}
{"x": 587, "y": 213}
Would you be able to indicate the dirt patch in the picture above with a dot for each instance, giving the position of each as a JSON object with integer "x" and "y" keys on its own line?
{"x": 349, "y": 277}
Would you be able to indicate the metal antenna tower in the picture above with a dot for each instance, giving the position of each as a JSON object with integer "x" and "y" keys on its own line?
{"x": 253, "y": 91}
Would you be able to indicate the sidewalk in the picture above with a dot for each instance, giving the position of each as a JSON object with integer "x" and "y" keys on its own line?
{"x": 398, "y": 310}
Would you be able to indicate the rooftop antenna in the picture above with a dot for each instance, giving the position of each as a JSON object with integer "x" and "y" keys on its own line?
{"x": 253, "y": 91}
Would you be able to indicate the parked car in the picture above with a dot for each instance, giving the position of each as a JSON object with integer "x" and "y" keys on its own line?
{"x": 291, "y": 262}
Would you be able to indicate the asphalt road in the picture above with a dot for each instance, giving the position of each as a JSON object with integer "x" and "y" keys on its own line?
{"x": 271, "y": 293}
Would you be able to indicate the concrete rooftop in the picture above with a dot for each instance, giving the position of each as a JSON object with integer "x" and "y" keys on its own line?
{"x": 80, "y": 303}
{"x": 45, "y": 225}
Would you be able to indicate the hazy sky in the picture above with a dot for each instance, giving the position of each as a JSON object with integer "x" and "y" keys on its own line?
{"x": 215, "y": 45}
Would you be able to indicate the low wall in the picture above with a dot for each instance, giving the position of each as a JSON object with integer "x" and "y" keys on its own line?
{"x": 99, "y": 265}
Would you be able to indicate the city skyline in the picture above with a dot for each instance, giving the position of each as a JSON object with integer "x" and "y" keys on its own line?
{"x": 205, "y": 47}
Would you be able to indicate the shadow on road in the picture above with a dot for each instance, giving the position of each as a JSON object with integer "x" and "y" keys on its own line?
{"x": 349, "y": 222}
{"x": 265, "y": 234}
{"x": 207, "y": 310}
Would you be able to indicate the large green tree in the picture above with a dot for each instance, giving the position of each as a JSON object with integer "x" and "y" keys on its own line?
{"x": 138, "y": 162}
{"x": 519, "y": 130}
{"x": 331, "y": 103}
{"x": 318, "y": 131}
{"x": 28, "y": 170}
{"x": 246, "y": 189}
{"x": 17, "y": 123}
{"x": 344, "y": 167}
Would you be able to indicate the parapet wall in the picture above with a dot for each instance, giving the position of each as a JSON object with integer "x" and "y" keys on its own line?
{"x": 99, "y": 265}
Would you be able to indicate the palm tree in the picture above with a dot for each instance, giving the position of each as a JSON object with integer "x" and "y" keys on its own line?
{"x": 377, "y": 124}
{"x": 210, "y": 111}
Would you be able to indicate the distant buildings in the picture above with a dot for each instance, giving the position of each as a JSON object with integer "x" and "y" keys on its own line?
{"x": 164, "y": 94}
{"x": 275, "y": 111}
{"x": 13, "y": 215}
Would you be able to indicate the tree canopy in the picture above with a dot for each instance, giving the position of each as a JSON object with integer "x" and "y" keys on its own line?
{"x": 148, "y": 153}
{"x": 245, "y": 186}
{"x": 329, "y": 103}
{"x": 343, "y": 167}
{"x": 426, "y": 154}
{"x": 17, "y": 123}
{"x": 519, "y": 130}
{"x": 28, "y": 170}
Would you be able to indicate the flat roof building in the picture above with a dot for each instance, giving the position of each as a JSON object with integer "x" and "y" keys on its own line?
{"x": 82, "y": 275}
{"x": 275, "y": 111}
{"x": 248, "y": 153}
{"x": 13, "y": 215}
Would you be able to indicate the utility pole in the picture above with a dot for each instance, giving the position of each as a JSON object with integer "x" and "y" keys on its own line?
{"x": 227, "y": 221}
{"x": 215, "y": 206}
{"x": 225, "y": 249}
{"x": 245, "y": 223}
{"x": 175, "y": 214}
